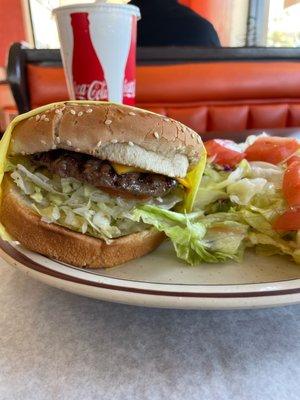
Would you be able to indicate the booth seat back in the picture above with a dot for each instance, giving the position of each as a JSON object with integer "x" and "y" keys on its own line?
{"x": 207, "y": 96}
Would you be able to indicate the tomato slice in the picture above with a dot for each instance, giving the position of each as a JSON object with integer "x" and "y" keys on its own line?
{"x": 289, "y": 221}
{"x": 224, "y": 152}
{"x": 291, "y": 184}
{"x": 272, "y": 149}
{"x": 292, "y": 159}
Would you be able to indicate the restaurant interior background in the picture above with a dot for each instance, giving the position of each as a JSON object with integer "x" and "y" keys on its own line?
{"x": 239, "y": 23}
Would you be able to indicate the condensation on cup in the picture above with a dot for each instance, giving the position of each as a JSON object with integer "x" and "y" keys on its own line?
{"x": 98, "y": 48}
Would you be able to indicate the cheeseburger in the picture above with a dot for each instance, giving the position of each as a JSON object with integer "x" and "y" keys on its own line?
{"x": 76, "y": 172}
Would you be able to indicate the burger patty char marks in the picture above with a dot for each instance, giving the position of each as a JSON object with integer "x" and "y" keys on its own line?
{"x": 102, "y": 175}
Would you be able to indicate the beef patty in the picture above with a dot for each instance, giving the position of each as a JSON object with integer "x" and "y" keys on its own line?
{"x": 102, "y": 175}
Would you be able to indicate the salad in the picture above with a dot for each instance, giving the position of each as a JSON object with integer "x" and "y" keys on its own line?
{"x": 249, "y": 196}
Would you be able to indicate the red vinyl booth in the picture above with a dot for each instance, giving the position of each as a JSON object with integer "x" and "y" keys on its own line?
{"x": 208, "y": 96}
{"x": 210, "y": 90}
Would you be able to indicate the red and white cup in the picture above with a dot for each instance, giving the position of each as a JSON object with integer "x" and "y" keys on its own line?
{"x": 98, "y": 48}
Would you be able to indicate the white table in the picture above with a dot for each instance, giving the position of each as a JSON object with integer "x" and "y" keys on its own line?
{"x": 55, "y": 345}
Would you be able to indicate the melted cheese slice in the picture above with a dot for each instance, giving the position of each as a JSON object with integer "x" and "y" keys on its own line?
{"x": 184, "y": 182}
{"x": 125, "y": 169}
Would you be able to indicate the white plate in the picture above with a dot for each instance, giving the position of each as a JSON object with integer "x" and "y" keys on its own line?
{"x": 160, "y": 280}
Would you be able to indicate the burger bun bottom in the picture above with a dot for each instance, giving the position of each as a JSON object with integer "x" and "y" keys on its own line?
{"x": 57, "y": 242}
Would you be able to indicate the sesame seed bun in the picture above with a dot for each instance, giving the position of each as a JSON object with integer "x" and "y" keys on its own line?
{"x": 117, "y": 133}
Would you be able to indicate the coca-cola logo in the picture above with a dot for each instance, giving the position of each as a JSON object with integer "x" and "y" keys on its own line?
{"x": 96, "y": 90}
{"x": 129, "y": 88}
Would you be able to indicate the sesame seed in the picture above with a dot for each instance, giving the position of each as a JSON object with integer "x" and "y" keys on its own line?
{"x": 108, "y": 122}
{"x": 193, "y": 135}
{"x": 166, "y": 119}
{"x": 58, "y": 111}
{"x": 114, "y": 141}
{"x": 130, "y": 144}
{"x": 156, "y": 135}
{"x": 57, "y": 140}
{"x": 80, "y": 114}
{"x": 38, "y": 117}
{"x": 69, "y": 143}
{"x": 132, "y": 113}
{"x": 23, "y": 153}
{"x": 43, "y": 142}
{"x": 89, "y": 110}
{"x": 43, "y": 116}
{"x": 198, "y": 139}
{"x": 99, "y": 143}
{"x": 73, "y": 112}
{"x": 77, "y": 149}
{"x": 47, "y": 119}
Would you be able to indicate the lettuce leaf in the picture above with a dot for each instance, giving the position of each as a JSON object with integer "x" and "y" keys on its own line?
{"x": 215, "y": 183}
{"x": 245, "y": 189}
{"x": 206, "y": 197}
{"x": 242, "y": 170}
{"x": 272, "y": 173}
{"x": 267, "y": 245}
{"x": 197, "y": 238}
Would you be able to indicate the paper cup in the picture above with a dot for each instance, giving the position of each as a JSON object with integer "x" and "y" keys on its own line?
{"x": 98, "y": 48}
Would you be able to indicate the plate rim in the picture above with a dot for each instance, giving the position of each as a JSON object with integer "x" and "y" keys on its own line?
{"x": 11, "y": 254}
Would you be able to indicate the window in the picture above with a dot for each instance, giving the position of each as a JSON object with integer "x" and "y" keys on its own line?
{"x": 284, "y": 23}
{"x": 238, "y": 22}
{"x": 43, "y": 22}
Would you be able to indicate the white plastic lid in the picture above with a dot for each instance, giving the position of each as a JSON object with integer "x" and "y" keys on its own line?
{"x": 112, "y": 1}
{"x": 113, "y": 5}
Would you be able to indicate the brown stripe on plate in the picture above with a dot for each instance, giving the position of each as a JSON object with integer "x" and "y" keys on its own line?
{"x": 27, "y": 262}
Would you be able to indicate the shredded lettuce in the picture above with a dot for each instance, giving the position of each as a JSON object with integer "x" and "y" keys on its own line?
{"x": 4, "y": 146}
{"x": 82, "y": 207}
{"x": 233, "y": 210}
{"x": 253, "y": 193}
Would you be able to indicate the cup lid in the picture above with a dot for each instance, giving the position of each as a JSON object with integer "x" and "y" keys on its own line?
{"x": 112, "y": 1}
{"x": 100, "y": 5}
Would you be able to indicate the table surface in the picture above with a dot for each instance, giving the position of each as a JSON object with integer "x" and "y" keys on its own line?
{"x": 56, "y": 345}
